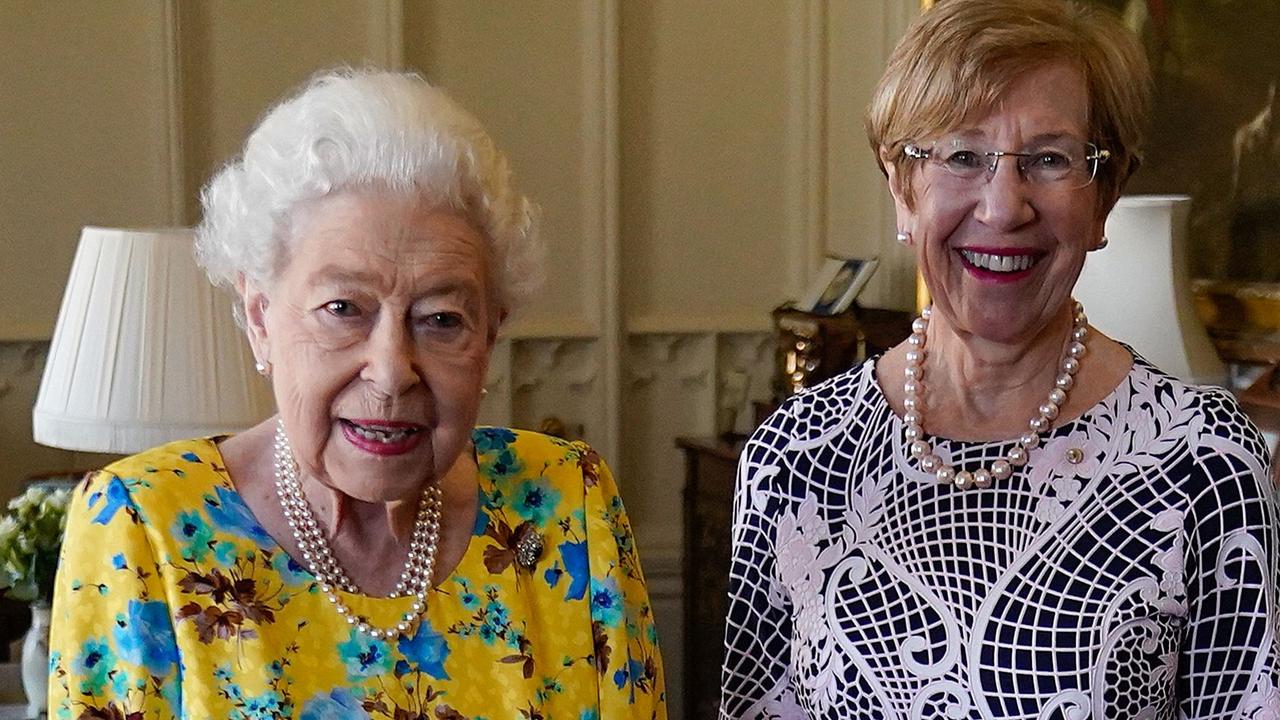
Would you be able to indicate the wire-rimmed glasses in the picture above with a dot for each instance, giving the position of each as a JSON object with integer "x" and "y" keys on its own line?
{"x": 1065, "y": 163}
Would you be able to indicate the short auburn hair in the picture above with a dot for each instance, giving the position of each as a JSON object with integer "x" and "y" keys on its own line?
{"x": 959, "y": 58}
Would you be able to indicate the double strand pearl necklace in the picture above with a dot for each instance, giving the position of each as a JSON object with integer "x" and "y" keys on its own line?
{"x": 419, "y": 567}
{"x": 1002, "y": 468}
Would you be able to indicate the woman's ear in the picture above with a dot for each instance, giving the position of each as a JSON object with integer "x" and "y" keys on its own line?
{"x": 901, "y": 206}
{"x": 255, "y": 301}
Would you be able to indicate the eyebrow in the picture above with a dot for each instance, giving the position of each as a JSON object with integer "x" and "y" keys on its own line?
{"x": 342, "y": 276}
{"x": 337, "y": 274}
{"x": 974, "y": 134}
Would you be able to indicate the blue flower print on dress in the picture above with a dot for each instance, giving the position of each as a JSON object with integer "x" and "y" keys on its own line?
{"x": 501, "y": 464}
{"x": 116, "y": 497}
{"x": 266, "y": 706}
{"x": 606, "y": 602}
{"x": 229, "y": 513}
{"x": 553, "y": 574}
{"x": 364, "y": 656}
{"x": 536, "y": 501}
{"x": 290, "y": 571}
{"x": 482, "y": 517}
{"x": 118, "y": 562}
{"x": 576, "y": 564}
{"x": 93, "y": 664}
{"x": 467, "y": 597}
{"x": 340, "y": 704}
{"x": 191, "y": 457}
{"x": 488, "y": 440}
{"x": 195, "y": 533}
{"x": 145, "y": 637}
{"x": 224, "y": 553}
{"x": 427, "y": 650}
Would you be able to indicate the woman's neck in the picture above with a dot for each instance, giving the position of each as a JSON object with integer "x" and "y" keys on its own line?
{"x": 979, "y": 390}
{"x": 356, "y": 531}
{"x": 987, "y": 389}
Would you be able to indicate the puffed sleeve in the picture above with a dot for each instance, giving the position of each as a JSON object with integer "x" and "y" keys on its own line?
{"x": 632, "y": 682}
{"x": 756, "y": 681}
{"x": 112, "y": 649}
{"x": 1230, "y": 664}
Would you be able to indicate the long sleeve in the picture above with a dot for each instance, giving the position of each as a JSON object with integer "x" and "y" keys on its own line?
{"x": 756, "y": 677}
{"x": 631, "y": 678}
{"x": 1230, "y": 663}
{"x": 113, "y": 651}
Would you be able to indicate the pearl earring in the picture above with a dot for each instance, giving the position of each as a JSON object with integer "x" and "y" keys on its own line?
{"x": 904, "y": 238}
{"x": 264, "y": 369}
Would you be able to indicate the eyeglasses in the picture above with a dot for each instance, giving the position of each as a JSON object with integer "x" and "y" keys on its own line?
{"x": 1067, "y": 164}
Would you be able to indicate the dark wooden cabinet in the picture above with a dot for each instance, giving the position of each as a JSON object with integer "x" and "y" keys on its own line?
{"x": 708, "y": 514}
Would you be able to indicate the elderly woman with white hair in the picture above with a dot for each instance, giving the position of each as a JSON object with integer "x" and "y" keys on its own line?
{"x": 367, "y": 552}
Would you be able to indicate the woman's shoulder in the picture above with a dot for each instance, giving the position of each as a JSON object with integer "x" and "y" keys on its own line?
{"x": 509, "y": 456}
{"x": 1205, "y": 411}
{"x": 527, "y": 444}
{"x": 161, "y": 476}
{"x": 818, "y": 414}
{"x": 179, "y": 455}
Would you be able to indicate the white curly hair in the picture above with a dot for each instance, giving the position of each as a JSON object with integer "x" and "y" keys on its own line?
{"x": 348, "y": 129}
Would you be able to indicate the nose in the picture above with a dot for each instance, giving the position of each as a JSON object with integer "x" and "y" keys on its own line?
{"x": 390, "y": 362}
{"x": 1005, "y": 201}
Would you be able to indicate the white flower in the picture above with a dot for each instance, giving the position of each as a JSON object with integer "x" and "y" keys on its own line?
{"x": 28, "y": 500}
{"x": 8, "y": 529}
{"x": 56, "y": 502}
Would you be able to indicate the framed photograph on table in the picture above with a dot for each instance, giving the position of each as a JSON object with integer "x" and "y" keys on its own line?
{"x": 837, "y": 285}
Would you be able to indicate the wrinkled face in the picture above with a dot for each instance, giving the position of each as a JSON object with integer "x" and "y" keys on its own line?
{"x": 378, "y": 331}
{"x": 1001, "y": 255}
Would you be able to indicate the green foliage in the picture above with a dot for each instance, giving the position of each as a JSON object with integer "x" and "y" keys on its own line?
{"x": 30, "y": 536}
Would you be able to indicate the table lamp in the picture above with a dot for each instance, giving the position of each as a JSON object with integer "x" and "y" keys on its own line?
{"x": 145, "y": 350}
{"x": 1137, "y": 289}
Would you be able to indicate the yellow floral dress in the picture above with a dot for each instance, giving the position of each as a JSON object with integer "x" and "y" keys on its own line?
{"x": 173, "y": 602}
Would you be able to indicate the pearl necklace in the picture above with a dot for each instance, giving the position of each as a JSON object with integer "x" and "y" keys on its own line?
{"x": 1002, "y": 468}
{"x": 419, "y": 567}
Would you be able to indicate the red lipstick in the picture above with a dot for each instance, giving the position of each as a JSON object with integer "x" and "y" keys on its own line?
{"x": 382, "y": 437}
{"x": 994, "y": 277}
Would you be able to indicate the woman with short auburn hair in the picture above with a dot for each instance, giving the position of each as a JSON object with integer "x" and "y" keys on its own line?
{"x": 1010, "y": 515}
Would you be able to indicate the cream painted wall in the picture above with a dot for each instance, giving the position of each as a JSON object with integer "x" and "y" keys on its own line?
{"x": 703, "y": 102}
{"x": 694, "y": 160}
{"x": 236, "y": 58}
{"x": 70, "y": 131}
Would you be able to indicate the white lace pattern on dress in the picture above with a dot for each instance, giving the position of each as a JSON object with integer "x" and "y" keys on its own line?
{"x": 1138, "y": 582}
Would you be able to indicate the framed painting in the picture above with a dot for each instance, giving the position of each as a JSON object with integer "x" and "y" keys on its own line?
{"x": 1215, "y": 135}
{"x": 1215, "y": 131}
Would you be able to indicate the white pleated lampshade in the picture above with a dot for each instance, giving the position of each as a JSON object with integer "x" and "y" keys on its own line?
{"x": 1138, "y": 289}
{"x": 145, "y": 350}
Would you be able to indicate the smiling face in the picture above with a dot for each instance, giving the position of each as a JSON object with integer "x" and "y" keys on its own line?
{"x": 1001, "y": 255}
{"x": 378, "y": 331}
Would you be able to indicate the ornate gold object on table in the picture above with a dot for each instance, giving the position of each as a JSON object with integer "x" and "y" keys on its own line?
{"x": 1261, "y": 401}
{"x": 1243, "y": 318}
{"x": 813, "y": 348}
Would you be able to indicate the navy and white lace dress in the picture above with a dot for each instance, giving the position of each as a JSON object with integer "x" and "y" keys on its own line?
{"x": 1139, "y": 582}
